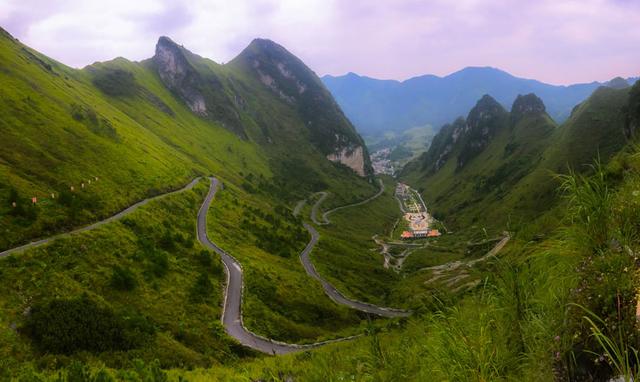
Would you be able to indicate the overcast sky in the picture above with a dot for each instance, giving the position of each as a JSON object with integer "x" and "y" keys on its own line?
{"x": 556, "y": 41}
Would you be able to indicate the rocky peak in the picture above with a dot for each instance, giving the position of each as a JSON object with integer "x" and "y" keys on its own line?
{"x": 278, "y": 69}
{"x": 178, "y": 75}
{"x": 295, "y": 84}
{"x": 487, "y": 110}
{"x": 189, "y": 77}
{"x": 483, "y": 122}
{"x": 526, "y": 105}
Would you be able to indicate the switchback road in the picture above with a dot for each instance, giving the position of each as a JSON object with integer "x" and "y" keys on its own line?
{"x": 232, "y": 308}
{"x": 329, "y": 289}
{"x": 325, "y": 216}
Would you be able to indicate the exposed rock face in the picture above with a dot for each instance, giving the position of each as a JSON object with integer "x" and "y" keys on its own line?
{"x": 526, "y": 105}
{"x": 443, "y": 144}
{"x": 466, "y": 138}
{"x": 178, "y": 75}
{"x": 187, "y": 75}
{"x": 350, "y": 157}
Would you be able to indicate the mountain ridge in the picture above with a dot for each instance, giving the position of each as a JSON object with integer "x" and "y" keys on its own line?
{"x": 498, "y": 164}
{"x": 375, "y": 106}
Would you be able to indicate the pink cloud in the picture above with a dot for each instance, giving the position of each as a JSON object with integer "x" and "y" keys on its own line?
{"x": 558, "y": 41}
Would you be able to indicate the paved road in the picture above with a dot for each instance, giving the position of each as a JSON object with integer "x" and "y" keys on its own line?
{"x": 232, "y": 308}
{"x": 325, "y": 216}
{"x": 117, "y": 216}
{"x": 329, "y": 289}
{"x": 333, "y": 293}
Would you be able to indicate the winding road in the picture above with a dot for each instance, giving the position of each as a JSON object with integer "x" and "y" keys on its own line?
{"x": 329, "y": 289}
{"x": 333, "y": 293}
{"x": 325, "y": 216}
{"x": 110, "y": 219}
{"x": 232, "y": 307}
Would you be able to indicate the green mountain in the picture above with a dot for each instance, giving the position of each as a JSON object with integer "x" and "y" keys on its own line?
{"x": 534, "y": 279}
{"x": 133, "y": 129}
{"x": 89, "y": 143}
{"x": 495, "y": 166}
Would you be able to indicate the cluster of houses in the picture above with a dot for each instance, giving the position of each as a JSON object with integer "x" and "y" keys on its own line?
{"x": 419, "y": 234}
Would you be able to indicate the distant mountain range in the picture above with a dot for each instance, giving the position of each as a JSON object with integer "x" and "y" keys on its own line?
{"x": 375, "y": 106}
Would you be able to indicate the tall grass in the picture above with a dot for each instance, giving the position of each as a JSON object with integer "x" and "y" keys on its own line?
{"x": 589, "y": 207}
{"x": 616, "y": 347}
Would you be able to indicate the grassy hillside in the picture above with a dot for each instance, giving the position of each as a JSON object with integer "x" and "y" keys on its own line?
{"x": 146, "y": 270}
{"x": 536, "y": 315}
{"x": 510, "y": 179}
{"x": 119, "y": 123}
{"x": 117, "y": 132}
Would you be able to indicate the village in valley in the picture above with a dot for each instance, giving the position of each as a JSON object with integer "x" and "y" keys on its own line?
{"x": 381, "y": 162}
{"x": 415, "y": 213}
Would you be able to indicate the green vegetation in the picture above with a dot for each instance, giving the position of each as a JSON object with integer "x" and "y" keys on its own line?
{"x": 280, "y": 300}
{"x": 346, "y": 254}
{"x": 118, "y": 293}
{"x": 65, "y": 326}
{"x": 508, "y": 181}
{"x": 117, "y": 129}
{"x": 140, "y": 299}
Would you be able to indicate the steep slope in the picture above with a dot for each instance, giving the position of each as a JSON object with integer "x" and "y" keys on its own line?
{"x": 375, "y": 106}
{"x": 197, "y": 84}
{"x": 87, "y": 143}
{"x": 508, "y": 176}
{"x": 295, "y": 84}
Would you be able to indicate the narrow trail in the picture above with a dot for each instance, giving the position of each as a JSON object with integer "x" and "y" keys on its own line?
{"x": 232, "y": 308}
{"x": 325, "y": 216}
{"x": 329, "y": 289}
{"x": 110, "y": 219}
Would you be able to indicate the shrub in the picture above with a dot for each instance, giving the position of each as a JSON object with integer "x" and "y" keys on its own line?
{"x": 123, "y": 279}
{"x": 201, "y": 289}
{"x": 205, "y": 258}
{"x": 159, "y": 263}
{"x": 115, "y": 82}
{"x": 168, "y": 241}
{"x": 65, "y": 326}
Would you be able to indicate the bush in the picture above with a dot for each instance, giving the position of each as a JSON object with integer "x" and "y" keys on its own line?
{"x": 159, "y": 263}
{"x": 201, "y": 289}
{"x": 205, "y": 258}
{"x": 123, "y": 279}
{"x": 115, "y": 82}
{"x": 65, "y": 326}
{"x": 168, "y": 241}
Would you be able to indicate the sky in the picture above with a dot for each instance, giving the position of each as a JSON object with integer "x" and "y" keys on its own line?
{"x": 555, "y": 41}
